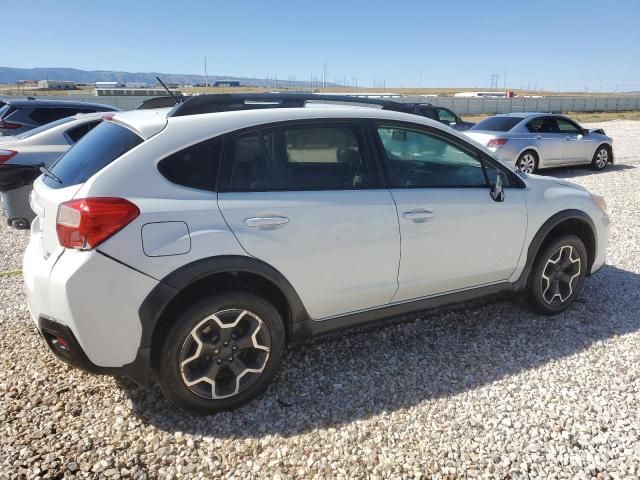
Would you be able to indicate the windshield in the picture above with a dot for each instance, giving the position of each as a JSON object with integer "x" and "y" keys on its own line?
{"x": 45, "y": 127}
{"x": 92, "y": 153}
{"x": 497, "y": 124}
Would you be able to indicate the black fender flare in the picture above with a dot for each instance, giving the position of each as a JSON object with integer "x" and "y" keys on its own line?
{"x": 171, "y": 285}
{"x": 542, "y": 234}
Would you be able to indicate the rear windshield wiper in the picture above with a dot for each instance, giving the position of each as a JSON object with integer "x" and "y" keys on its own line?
{"x": 50, "y": 174}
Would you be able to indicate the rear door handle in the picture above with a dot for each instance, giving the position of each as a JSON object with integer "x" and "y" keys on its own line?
{"x": 418, "y": 215}
{"x": 266, "y": 223}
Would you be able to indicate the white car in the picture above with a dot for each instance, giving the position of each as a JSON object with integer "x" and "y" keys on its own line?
{"x": 22, "y": 156}
{"x": 192, "y": 246}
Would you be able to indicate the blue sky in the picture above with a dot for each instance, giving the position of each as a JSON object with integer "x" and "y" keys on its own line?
{"x": 557, "y": 45}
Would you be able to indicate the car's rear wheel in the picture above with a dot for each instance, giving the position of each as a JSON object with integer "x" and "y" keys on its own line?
{"x": 601, "y": 158}
{"x": 558, "y": 275}
{"x": 221, "y": 352}
{"x": 527, "y": 162}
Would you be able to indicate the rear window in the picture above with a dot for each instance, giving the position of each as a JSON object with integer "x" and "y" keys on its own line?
{"x": 5, "y": 110}
{"x": 497, "y": 124}
{"x": 92, "y": 153}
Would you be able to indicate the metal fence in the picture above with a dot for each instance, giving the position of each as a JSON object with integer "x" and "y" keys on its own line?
{"x": 478, "y": 106}
{"x": 462, "y": 106}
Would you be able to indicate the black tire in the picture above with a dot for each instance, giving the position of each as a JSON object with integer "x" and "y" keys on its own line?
{"x": 525, "y": 160}
{"x": 540, "y": 290}
{"x": 179, "y": 339}
{"x": 601, "y": 158}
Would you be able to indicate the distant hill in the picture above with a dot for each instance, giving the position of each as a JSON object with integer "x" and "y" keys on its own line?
{"x": 11, "y": 75}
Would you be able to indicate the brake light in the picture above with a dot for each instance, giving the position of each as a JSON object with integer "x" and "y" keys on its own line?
{"x": 8, "y": 125}
{"x": 6, "y": 155}
{"x": 497, "y": 142}
{"x": 85, "y": 223}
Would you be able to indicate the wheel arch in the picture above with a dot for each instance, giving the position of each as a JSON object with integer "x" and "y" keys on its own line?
{"x": 203, "y": 277}
{"x": 575, "y": 222}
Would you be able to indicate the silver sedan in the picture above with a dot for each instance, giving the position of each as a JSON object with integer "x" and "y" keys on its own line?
{"x": 533, "y": 141}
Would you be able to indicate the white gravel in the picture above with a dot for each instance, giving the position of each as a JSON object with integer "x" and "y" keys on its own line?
{"x": 488, "y": 389}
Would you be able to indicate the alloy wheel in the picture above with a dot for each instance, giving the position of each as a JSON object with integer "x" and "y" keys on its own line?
{"x": 602, "y": 157}
{"x": 527, "y": 163}
{"x": 224, "y": 353}
{"x": 560, "y": 274}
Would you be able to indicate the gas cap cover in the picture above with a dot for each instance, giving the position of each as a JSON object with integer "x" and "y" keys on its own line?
{"x": 162, "y": 239}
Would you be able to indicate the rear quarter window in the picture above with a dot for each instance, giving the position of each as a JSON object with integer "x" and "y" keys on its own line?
{"x": 497, "y": 124}
{"x": 195, "y": 166}
{"x": 92, "y": 153}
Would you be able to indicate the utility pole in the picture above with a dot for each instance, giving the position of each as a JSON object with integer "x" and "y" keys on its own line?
{"x": 324, "y": 76}
{"x": 206, "y": 77}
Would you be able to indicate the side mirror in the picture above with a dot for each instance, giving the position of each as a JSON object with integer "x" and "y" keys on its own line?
{"x": 497, "y": 191}
{"x": 585, "y": 131}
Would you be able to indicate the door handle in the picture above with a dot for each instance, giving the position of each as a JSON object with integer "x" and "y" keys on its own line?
{"x": 266, "y": 223}
{"x": 418, "y": 215}
{"x": 570, "y": 138}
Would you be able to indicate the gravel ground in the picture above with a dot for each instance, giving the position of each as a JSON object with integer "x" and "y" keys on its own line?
{"x": 487, "y": 389}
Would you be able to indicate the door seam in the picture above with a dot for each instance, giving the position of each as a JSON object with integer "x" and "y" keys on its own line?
{"x": 400, "y": 245}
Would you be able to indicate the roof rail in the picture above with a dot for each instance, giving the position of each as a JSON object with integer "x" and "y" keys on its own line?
{"x": 247, "y": 101}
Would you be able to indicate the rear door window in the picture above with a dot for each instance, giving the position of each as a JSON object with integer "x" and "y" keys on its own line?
{"x": 92, "y": 153}
{"x": 313, "y": 157}
{"x": 43, "y": 115}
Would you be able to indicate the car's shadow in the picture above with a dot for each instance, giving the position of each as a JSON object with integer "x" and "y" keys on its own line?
{"x": 348, "y": 377}
{"x": 582, "y": 171}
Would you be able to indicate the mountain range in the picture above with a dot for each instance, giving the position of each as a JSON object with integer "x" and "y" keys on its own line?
{"x": 12, "y": 75}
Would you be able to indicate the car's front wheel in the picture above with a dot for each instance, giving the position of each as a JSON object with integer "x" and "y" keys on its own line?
{"x": 527, "y": 162}
{"x": 601, "y": 158}
{"x": 221, "y": 352}
{"x": 558, "y": 275}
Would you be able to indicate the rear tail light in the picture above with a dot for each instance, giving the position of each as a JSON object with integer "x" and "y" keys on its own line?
{"x": 85, "y": 223}
{"x": 6, "y": 155}
{"x": 497, "y": 142}
{"x": 8, "y": 125}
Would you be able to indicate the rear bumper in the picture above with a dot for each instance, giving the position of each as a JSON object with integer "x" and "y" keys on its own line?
{"x": 91, "y": 302}
{"x": 64, "y": 345}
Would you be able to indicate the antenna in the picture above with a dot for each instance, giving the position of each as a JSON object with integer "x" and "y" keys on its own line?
{"x": 175, "y": 99}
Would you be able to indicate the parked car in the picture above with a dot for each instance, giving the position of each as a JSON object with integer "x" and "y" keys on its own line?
{"x": 22, "y": 156}
{"x": 18, "y": 116}
{"x": 257, "y": 226}
{"x": 442, "y": 115}
{"x": 533, "y": 141}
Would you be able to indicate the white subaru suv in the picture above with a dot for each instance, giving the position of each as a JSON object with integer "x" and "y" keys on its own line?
{"x": 190, "y": 246}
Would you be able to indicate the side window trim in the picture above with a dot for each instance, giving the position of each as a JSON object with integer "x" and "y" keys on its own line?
{"x": 359, "y": 127}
